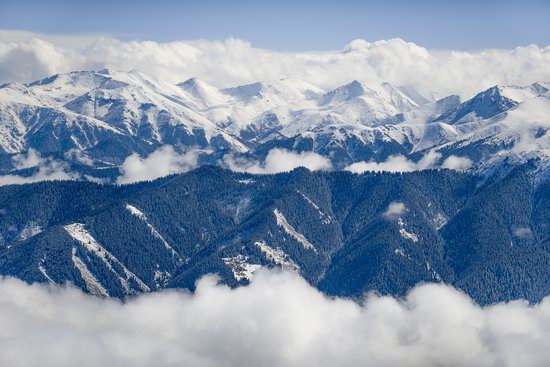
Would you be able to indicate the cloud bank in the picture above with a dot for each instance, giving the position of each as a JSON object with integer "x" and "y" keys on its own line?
{"x": 46, "y": 169}
{"x": 26, "y": 56}
{"x": 457, "y": 163}
{"x": 400, "y": 163}
{"x": 279, "y": 160}
{"x": 279, "y": 320}
{"x": 166, "y": 161}
{"x": 162, "y": 162}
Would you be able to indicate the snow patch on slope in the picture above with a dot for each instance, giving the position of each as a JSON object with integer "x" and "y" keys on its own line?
{"x": 43, "y": 271}
{"x": 139, "y": 214}
{"x": 404, "y": 233}
{"x": 434, "y": 273}
{"x": 92, "y": 284}
{"x": 282, "y": 222}
{"x": 240, "y": 268}
{"x": 78, "y": 232}
{"x": 277, "y": 257}
{"x": 325, "y": 218}
{"x": 30, "y": 230}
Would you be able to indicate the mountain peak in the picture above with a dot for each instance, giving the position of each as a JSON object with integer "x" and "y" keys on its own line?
{"x": 483, "y": 105}
{"x": 105, "y": 71}
{"x": 204, "y": 92}
{"x": 355, "y": 87}
{"x": 84, "y": 79}
{"x": 346, "y": 92}
{"x": 193, "y": 83}
{"x": 246, "y": 91}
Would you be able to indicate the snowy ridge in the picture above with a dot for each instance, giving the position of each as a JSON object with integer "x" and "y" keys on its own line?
{"x": 282, "y": 222}
{"x": 277, "y": 257}
{"x": 351, "y": 123}
{"x": 92, "y": 284}
{"x": 139, "y": 214}
{"x": 78, "y": 232}
{"x": 325, "y": 219}
{"x": 43, "y": 271}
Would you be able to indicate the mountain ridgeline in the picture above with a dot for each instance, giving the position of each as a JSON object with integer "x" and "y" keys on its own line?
{"x": 345, "y": 233}
{"x": 94, "y": 120}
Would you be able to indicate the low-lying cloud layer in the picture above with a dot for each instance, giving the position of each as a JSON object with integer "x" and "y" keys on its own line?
{"x": 400, "y": 163}
{"x": 26, "y": 56}
{"x": 162, "y": 162}
{"x": 279, "y": 320}
{"x": 45, "y": 169}
{"x": 279, "y": 160}
{"x": 166, "y": 161}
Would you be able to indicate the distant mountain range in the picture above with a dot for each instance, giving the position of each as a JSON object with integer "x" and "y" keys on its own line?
{"x": 107, "y": 115}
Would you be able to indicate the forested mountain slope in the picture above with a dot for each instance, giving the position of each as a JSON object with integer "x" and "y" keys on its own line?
{"x": 345, "y": 233}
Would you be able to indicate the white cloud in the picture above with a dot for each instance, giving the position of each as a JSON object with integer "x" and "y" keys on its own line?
{"x": 162, "y": 162}
{"x": 396, "y": 163}
{"x": 279, "y": 320}
{"x": 457, "y": 163}
{"x": 29, "y": 160}
{"x": 26, "y": 56}
{"x": 400, "y": 163}
{"x": 523, "y": 232}
{"x": 279, "y": 160}
{"x": 78, "y": 156}
{"x": 46, "y": 169}
{"x": 394, "y": 210}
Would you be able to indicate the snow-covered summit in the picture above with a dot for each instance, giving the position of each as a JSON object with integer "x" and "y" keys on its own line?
{"x": 491, "y": 102}
{"x": 110, "y": 114}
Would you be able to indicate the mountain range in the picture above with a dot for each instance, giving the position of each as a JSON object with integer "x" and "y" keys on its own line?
{"x": 475, "y": 213}
{"x": 345, "y": 233}
{"x": 108, "y": 115}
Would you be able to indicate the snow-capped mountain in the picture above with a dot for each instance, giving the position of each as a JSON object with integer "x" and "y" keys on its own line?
{"x": 113, "y": 240}
{"x": 108, "y": 115}
{"x": 491, "y": 102}
{"x": 83, "y": 110}
{"x": 511, "y": 121}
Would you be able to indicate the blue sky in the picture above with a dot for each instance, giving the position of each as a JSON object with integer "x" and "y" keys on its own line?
{"x": 293, "y": 25}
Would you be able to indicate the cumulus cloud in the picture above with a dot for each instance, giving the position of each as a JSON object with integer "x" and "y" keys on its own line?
{"x": 162, "y": 162}
{"x": 278, "y": 320}
{"x": 400, "y": 163}
{"x": 394, "y": 210}
{"x": 45, "y": 169}
{"x": 457, "y": 163}
{"x": 28, "y": 56}
{"x": 278, "y": 160}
